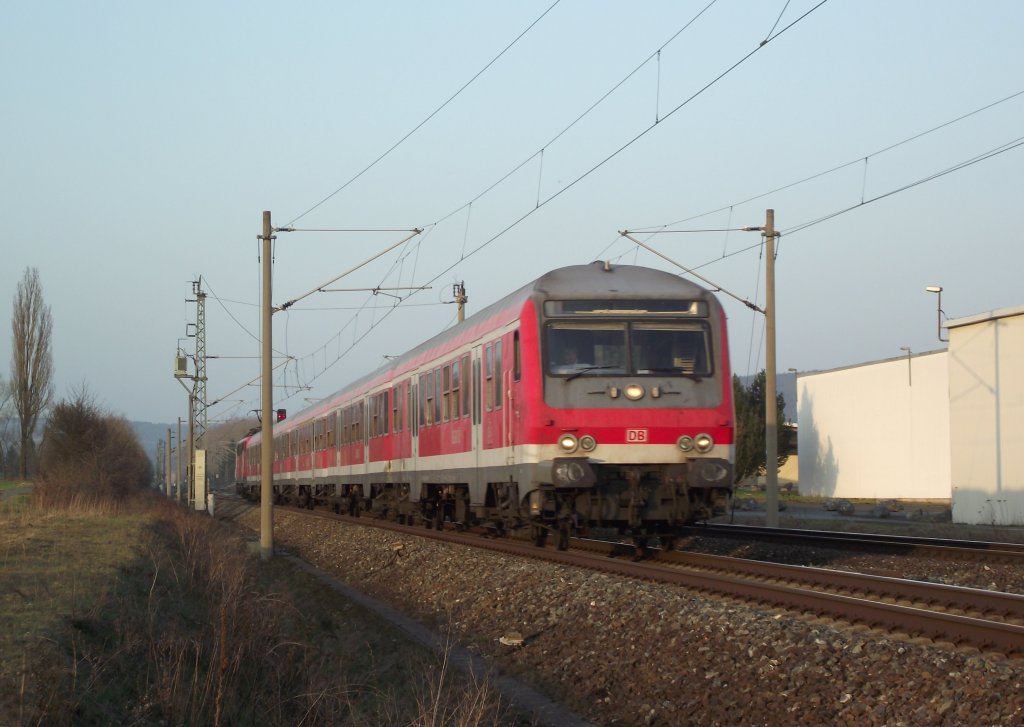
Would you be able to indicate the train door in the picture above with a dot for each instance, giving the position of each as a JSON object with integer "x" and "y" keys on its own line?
{"x": 509, "y": 393}
{"x": 315, "y": 449}
{"x": 491, "y": 410}
{"x": 367, "y": 407}
{"x": 414, "y": 427}
{"x": 475, "y": 388}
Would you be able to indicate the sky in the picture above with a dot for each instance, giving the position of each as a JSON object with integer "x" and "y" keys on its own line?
{"x": 142, "y": 143}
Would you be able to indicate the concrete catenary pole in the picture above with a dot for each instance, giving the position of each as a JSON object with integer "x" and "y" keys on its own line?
{"x": 178, "y": 478}
{"x": 771, "y": 423}
{"x": 167, "y": 466}
{"x": 190, "y": 465}
{"x": 459, "y": 292}
{"x": 267, "y": 421}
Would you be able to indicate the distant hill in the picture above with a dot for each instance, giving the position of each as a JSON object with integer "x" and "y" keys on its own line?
{"x": 150, "y": 435}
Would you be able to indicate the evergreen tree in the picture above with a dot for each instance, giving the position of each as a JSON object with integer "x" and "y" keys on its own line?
{"x": 750, "y": 427}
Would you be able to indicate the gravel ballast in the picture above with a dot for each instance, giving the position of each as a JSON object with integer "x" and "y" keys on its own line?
{"x": 624, "y": 652}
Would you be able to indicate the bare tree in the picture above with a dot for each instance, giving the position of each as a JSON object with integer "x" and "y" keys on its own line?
{"x": 5, "y": 419}
{"x": 32, "y": 361}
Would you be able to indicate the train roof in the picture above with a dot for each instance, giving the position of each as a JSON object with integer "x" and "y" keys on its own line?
{"x": 575, "y": 281}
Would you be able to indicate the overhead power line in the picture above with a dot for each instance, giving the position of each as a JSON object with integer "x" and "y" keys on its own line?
{"x": 852, "y": 162}
{"x": 1008, "y": 146}
{"x": 557, "y": 194}
{"x": 540, "y": 152}
{"x": 434, "y": 113}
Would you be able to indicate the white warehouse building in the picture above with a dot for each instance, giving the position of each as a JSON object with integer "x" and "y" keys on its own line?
{"x": 942, "y": 425}
{"x": 986, "y": 417}
{"x": 876, "y": 430}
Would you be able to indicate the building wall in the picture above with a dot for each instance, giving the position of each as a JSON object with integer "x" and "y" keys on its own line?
{"x": 986, "y": 400}
{"x": 879, "y": 430}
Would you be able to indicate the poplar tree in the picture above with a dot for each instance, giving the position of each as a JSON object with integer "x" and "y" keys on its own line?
{"x": 31, "y": 384}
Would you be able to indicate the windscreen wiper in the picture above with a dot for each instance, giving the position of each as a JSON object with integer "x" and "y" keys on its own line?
{"x": 587, "y": 369}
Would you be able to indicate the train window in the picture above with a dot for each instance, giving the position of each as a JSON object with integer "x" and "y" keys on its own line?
{"x": 396, "y": 408}
{"x": 437, "y": 395}
{"x": 360, "y": 418}
{"x": 516, "y": 357}
{"x": 670, "y": 349}
{"x": 332, "y": 424}
{"x": 410, "y": 398}
{"x": 446, "y": 389}
{"x": 466, "y": 386}
{"x": 597, "y": 349}
{"x": 497, "y": 375}
{"x": 427, "y": 398}
{"x": 384, "y": 410}
{"x": 456, "y": 390}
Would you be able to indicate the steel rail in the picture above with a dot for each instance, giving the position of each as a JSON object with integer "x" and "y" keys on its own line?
{"x": 945, "y": 548}
{"x": 755, "y": 586}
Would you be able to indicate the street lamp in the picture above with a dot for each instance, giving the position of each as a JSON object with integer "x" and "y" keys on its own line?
{"x": 937, "y": 289}
{"x": 910, "y": 381}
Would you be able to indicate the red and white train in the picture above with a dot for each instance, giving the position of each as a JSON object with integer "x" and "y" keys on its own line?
{"x": 596, "y": 395}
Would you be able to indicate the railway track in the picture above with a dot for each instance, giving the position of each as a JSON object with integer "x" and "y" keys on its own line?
{"x": 986, "y": 620}
{"x": 942, "y": 548}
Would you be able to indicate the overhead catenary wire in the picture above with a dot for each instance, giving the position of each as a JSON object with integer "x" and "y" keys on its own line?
{"x": 579, "y": 178}
{"x": 579, "y": 118}
{"x": 1002, "y": 148}
{"x": 432, "y": 114}
{"x": 832, "y": 170}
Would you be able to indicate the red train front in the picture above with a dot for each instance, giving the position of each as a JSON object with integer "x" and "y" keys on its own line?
{"x": 596, "y": 395}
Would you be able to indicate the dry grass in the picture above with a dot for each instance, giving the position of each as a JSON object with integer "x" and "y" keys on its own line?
{"x": 144, "y": 613}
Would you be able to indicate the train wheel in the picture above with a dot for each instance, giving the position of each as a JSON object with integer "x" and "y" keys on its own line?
{"x": 439, "y": 518}
{"x": 668, "y": 542}
{"x": 540, "y": 535}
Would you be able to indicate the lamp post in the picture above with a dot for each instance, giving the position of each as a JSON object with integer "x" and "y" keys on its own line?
{"x": 910, "y": 381}
{"x": 937, "y": 289}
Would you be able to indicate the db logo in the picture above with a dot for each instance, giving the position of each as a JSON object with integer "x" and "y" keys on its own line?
{"x": 636, "y": 435}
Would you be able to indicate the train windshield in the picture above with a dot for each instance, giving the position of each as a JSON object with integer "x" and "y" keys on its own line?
{"x": 635, "y": 348}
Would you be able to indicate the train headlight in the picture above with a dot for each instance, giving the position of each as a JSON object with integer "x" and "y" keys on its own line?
{"x": 569, "y": 473}
{"x": 568, "y": 442}
{"x": 634, "y": 392}
{"x": 703, "y": 443}
{"x": 712, "y": 472}
{"x": 685, "y": 443}
{"x": 588, "y": 443}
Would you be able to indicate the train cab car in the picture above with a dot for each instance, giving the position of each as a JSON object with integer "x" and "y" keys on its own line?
{"x": 596, "y": 395}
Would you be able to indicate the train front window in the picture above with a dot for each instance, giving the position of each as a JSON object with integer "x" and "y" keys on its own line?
{"x": 664, "y": 348}
{"x": 595, "y": 349}
{"x": 629, "y": 347}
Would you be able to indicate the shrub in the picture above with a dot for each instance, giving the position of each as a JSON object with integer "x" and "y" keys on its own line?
{"x": 87, "y": 452}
